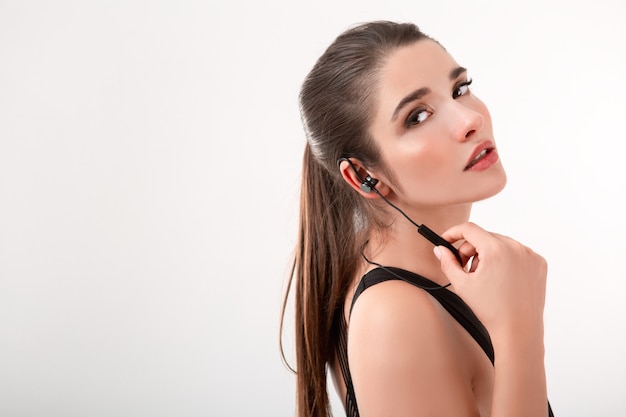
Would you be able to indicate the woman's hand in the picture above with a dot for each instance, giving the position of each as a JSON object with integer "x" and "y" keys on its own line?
{"x": 505, "y": 285}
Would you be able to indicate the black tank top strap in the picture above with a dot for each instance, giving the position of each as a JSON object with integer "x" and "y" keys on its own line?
{"x": 342, "y": 355}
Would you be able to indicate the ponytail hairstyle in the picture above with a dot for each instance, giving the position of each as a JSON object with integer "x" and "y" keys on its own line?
{"x": 337, "y": 103}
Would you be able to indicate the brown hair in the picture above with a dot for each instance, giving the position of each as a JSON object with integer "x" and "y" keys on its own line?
{"x": 336, "y": 104}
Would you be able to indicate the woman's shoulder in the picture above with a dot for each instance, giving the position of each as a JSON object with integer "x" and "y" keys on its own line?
{"x": 404, "y": 349}
{"x": 396, "y": 306}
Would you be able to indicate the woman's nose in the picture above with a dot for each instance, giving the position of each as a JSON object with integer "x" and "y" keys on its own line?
{"x": 467, "y": 121}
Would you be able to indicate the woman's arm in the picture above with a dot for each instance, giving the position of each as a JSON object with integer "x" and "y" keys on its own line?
{"x": 506, "y": 290}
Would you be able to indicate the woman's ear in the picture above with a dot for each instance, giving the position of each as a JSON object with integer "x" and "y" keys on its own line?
{"x": 355, "y": 174}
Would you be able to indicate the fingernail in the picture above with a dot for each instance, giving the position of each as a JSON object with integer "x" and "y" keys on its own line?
{"x": 437, "y": 252}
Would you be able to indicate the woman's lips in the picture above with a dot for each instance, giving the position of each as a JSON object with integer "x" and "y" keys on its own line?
{"x": 483, "y": 160}
{"x": 483, "y": 157}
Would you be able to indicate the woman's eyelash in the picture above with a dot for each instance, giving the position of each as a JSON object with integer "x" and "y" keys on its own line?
{"x": 461, "y": 89}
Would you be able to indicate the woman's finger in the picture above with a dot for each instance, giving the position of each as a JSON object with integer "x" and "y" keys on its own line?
{"x": 467, "y": 250}
{"x": 469, "y": 232}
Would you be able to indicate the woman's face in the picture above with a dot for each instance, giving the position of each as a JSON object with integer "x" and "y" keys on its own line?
{"x": 435, "y": 135}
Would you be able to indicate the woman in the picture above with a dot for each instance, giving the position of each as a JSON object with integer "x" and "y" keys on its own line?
{"x": 395, "y": 136}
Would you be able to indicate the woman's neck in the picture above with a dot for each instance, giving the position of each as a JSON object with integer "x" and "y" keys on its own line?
{"x": 401, "y": 246}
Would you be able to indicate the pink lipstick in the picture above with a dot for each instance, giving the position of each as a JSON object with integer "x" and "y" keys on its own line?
{"x": 483, "y": 157}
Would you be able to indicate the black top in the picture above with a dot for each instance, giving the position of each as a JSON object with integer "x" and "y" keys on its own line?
{"x": 449, "y": 300}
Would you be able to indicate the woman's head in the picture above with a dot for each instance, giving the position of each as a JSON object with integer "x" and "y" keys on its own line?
{"x": 433, "y": 133}
{"x": 391, "y": 98}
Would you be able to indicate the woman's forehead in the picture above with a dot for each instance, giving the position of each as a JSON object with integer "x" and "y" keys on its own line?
{"x": 424, "y": 61}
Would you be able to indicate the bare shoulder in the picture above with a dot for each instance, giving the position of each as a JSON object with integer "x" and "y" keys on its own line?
{"x": 405, "y": 354}
{"x": 394, "y": 315}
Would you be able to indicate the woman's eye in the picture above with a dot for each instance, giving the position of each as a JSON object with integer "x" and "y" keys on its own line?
{"x": 417, "y": 117}
{"x": 461, "y": 89}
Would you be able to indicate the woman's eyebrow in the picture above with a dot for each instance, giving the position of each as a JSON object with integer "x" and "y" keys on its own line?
{"x": 415, "y": 95}
{"x": 421, "y": 92}
{"x": 456, "y": 72}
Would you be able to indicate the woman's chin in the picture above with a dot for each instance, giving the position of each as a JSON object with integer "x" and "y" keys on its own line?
{"x": 493, "y": 188}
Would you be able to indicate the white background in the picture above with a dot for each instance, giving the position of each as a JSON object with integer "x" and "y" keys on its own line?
{"x": 149, "y": 171}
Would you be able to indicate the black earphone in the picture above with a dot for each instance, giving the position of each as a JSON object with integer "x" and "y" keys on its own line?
{"x": 368, "y": 184}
